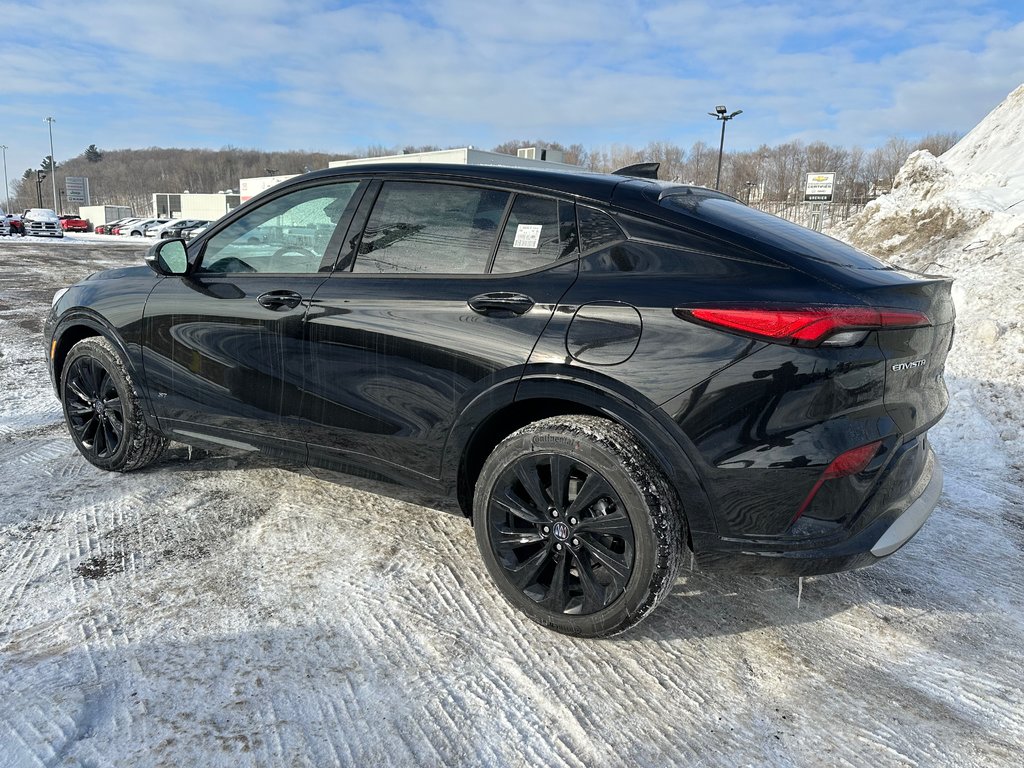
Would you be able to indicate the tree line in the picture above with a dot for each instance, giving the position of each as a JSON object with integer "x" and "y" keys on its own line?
{"x": 769, "y": 173}
{"x": 131, "y": 176}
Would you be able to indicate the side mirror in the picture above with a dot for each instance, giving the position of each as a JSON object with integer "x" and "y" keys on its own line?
{"x": 168, "y": 257}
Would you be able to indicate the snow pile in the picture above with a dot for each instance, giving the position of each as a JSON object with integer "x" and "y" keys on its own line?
{"x": 992, "y": 155}
{"x": 962, "y": 215}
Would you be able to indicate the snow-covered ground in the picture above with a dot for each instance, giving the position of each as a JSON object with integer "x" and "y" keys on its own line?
{"x": 217, "y": 610}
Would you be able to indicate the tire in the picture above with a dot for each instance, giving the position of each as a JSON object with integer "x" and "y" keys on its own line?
{"x": 101, "y": 409}
{"x": 577, "y": 525}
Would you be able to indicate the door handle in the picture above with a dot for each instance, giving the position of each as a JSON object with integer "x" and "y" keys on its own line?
{"x": 279, "y": 300}
{"x": 501, "y": 301}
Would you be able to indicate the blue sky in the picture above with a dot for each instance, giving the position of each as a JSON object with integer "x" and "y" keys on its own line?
{"x": 335, "y": 76}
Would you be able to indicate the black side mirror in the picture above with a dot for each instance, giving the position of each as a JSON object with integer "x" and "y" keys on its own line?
{"x": 168, "y": 257}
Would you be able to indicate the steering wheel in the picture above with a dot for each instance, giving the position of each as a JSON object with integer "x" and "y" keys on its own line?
{"x": 286, "y": 249}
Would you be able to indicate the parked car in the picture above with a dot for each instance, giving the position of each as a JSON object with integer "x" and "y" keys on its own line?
{"x": 188, "y": 234}
{"x": 116, "y": 230}
{"x": 604, "y": 371}
{"x": 152, "y": 229}
{"x": 179, "y": 227}
{"x": 71, "y": 223}
{"x": 42, "y": 222}
{"x": 138, "y": 228}
{"x": 106, "y": 229}
{"x": 11, "y": 224}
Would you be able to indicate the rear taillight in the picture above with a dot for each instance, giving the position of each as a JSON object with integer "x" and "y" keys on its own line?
{"x": 849, "y": 463}
{"x": 805, "y": 326}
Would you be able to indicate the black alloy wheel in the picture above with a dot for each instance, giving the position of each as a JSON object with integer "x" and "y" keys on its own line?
{"x": 561, "y": 534}
{"x": 94, "y": 408}
{"x": 102, "y": 409}
{"x": 577, "y": 525}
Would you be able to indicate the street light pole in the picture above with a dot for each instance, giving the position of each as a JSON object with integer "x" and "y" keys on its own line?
{"x": 720, "y": 114}
{"x": 7, "y": 191}
{"x": 53, "y": 165}
{"x": 40, "y": 178}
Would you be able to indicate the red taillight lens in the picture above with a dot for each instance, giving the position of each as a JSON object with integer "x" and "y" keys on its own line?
{"x": 804, "y": 326}
{"x": 849, "y": 463}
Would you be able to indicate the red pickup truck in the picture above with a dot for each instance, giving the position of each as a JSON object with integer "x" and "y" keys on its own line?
{"x": 74, "y": 224}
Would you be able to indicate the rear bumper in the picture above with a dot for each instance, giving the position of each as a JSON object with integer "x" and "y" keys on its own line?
{"x": 890, "y": 528}
{"x": 910, "y": 521}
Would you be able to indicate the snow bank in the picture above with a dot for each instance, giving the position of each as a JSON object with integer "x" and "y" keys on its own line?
{"x": 962, "y": 215}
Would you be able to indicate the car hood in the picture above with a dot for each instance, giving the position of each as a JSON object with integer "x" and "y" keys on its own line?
{"x": 120, "y": 272}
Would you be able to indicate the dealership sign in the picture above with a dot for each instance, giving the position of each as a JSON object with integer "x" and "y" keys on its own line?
{"x": 76, "y": 189}
{"x": 819, "y": 187}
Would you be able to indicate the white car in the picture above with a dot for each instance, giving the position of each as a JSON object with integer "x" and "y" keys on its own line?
{"x": 190, "y": 233}
{"x": 42, "y": 222}
{"x": 123, "y": 225}
{"x": 152, "y": 230}
{"x": 138, "y": 228}
{"x": 175, "y": 228}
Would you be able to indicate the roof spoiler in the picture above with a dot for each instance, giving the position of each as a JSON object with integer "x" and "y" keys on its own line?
{"x": 639, "y": 170}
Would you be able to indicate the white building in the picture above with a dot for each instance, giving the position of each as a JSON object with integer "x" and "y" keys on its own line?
{"x": 194, "y": 205}
{"x": 251, "y": 187}
{"x": 530, "y": 157}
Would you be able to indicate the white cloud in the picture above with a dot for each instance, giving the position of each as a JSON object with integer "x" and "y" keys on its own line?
{"x": 268, "y": 73}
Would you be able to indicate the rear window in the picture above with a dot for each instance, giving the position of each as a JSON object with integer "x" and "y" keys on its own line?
{"x": 538, "y": 232}
{"x": 771, "y": 230}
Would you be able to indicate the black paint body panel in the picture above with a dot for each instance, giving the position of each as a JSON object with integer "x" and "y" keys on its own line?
{"x": 395, "y": 375}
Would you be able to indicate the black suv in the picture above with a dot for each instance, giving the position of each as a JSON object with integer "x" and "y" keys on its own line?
{"x": 606, "y": 371}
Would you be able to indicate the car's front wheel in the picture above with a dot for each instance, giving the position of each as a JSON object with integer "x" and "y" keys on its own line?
{"x": 102, "y": 409}
{"x": 577, "y": 525}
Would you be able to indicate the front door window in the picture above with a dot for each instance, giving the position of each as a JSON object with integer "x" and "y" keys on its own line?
{"x": 292, "y": 234}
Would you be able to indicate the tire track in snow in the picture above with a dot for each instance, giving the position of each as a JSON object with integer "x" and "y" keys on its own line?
{"x": 312, "y": 623}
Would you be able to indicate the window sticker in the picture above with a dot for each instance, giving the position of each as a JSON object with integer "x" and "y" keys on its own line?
{"x": 527, "y": 236}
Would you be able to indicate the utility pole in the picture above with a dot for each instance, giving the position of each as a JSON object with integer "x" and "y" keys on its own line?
{"x": 7, "y": 191}
{"x": 53, "y": 165}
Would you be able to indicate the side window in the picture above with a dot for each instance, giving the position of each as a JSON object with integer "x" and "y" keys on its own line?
{"x": 290, "y": 233}
{"x": 418, "y": 227}
{"x": 597, "y": 229}
{"x": 539, "y": 232}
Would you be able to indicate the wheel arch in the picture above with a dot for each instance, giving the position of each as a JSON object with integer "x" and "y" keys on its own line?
{"x": 542, "y": 396}
{"x": 77, "y": 326}
{"x": 83, "y": 324}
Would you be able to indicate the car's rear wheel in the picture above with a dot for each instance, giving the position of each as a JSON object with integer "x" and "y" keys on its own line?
{"x": 102, "y": 409}
{"x": 578, "y": 526}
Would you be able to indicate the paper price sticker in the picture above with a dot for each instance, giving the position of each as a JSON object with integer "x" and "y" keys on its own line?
{"x": 527, "y": 236}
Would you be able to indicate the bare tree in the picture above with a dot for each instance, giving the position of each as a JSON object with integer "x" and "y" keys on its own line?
{"x": 938, "y": 143}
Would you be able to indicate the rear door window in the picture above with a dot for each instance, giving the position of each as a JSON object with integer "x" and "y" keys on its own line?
{"x": 539, "y": 232}
{"x": 430, "y": 228}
